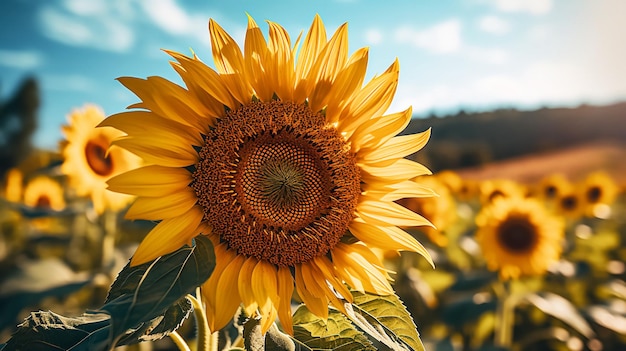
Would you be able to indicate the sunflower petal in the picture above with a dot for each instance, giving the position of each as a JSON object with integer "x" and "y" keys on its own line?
{"x": 312, "y": 46}
{"x": 159, "y": 151}
{"x": 348, "y": 81}
{"x": 397, "y": 147}
{"x": 399, "y": 170}
{"x": 389, "y": 213}
{"x": 226, "y": 293}
{"x": 245, "y": 286}
{"x": 151, "y": 181}
{"x": 281, "y": 60}
{"x": 317, "y": 305}
{"x": 255, "y": 50}
{"x": 162, "y": 207}
{"x": 388, "y": 238}
{"x": 368, "y": 273}
{"x": 378, "y": 130}
{"x": 397, "y": 191}
{"x": 134, "y": 123}
{"x": 285, "y": 291}
{"x": 168, "y": 236}
{"x": 265, "y": 290}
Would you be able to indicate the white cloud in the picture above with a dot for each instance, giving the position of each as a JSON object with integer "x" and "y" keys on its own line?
{"x": 535, "y": 7}
{"x": 487, "y": 55}
{"x": 373, "y": 36}
{"x": 494, "y": 25}
{"x": 22, "y": 59}
{"x": 174, "y": 19}
{"x": 541, "y": 83}
{"x": 100, "y": 31}
{"x": 442, "y": 38}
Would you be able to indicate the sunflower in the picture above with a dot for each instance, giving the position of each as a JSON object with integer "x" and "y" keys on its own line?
{"x": 440, "y": 211}
{"x": 519, "y": 237}
{"x": 89, "y": 162}
{"x": 493, "y": 189}
{"x": 450, "y": 179}
{"x": 597, "y": 189}
{"x": 285, "y": 161}
{"x": 43, "y": 192}
{"x": 552, "y": 186}
{"x": 569, "y": 204}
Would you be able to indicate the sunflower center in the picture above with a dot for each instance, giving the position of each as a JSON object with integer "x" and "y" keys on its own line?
{"x": 594, "y": 194}
{"x": 568, "y": 202}
{"x": 97, "y": 158}
{"x": 276, "y": 183}
{"x": 517, "y": 235}
{"x": 43, "y": 202}
{"x": 550, "y": 191}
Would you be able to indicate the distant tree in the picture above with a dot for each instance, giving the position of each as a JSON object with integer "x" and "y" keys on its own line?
{"x": 18, "y": 121}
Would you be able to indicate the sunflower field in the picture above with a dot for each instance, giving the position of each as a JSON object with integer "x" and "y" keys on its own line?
{"x": 270, "y": 203}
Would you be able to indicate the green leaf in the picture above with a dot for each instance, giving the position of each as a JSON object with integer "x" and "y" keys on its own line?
{"x": 145, "y": 292}
{"x": 337, "y": 333}
{"x": 559, "y": 307}
{"x": 50, "y": 331}
{"x": 145, "y": 302}
{"x": 386, "y": 319}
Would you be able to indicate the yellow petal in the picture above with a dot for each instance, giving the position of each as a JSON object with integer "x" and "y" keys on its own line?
{"x": 378, "y": 130}
{"x": 162, "y": 207}
{"x": 370, "y": 274}
{"x": 387, "y": 238}
{"x": 281, "y": 62}
{"x": 399, "y": 170}
{"x": 371, "y": 101}
{"x": 229, "y": 63}
{"x": 151, "y": 181}
{"x": 223, "y": 257}
{"x": 329, "y": 62}
{"x": 256, "y": 52}
{"x": 135, "y": 122}
{"x": 312, "y": 46}
{"x": 348, "y": 81}
{"x": 285, "y": 291}
{"x": 387, "y": 214}
{"x": 227, "y": 297}
{"x": 245, "y": 286}
{"x": 317, "y": 305}
{"x": 397, "y": 147}
{"x": 167, "y": 100}
{"x": 165, "y": 153}
{"x": 207, "y": 79}
{"x": 168, "y": 236}
{"x": 397, "y": 191}
{"x": 265, "y": 290}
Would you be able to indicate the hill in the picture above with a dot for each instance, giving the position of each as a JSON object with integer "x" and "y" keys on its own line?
{"x": 470, "y": 140}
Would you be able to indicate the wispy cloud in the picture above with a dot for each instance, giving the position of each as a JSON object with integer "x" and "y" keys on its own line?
{"x": 174, "y": 19}
{"x": 22, "y": 59}
{"x": 442, "y": 38}
{"x": 534, "y": 7}
{"x": 373, "y": 36}
{"x": 82, "y": 25}
{"x": 494, "y": 25}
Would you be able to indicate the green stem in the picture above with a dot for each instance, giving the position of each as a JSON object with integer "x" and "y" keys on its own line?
{"x": 207, "y": 341}
{"x": 504, "y": 315}
{"x": 179, "y": 341}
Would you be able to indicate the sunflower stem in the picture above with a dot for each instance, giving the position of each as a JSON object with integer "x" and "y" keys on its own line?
{"x": 207, "y": 341}
{"x": 179, "y": 341}
{"x": 504, "y": 315}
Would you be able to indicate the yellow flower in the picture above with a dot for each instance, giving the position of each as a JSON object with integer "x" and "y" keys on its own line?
{"x": 450, "y": 179}
{"x": 569, "y": 203}
{"x": 519, "y": 237}
{"x": 286, "y": 161}
{"x": 44, "y": 192}
{"x": 493, "y": 189}
{"x": 598, "y": 188}
{"x": 552, "y": 186}
{"x": 89, "y": 162}
{"x": 440, "y": 211}
{"x": 14, "y": 185}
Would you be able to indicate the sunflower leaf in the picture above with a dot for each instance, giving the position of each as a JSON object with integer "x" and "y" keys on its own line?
{"x": 386, "y": 320}
{"x": 154, "y": 290}
{"x": 337, "y": 333}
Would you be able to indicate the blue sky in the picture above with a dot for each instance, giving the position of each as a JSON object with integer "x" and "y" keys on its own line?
{"x": 471, "y": 54}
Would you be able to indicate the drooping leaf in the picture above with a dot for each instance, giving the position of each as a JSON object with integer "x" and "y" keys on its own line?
{"x": 337, "y": 333}
{"x": 388, "y": 319}
{"x": 50, "y": 331}
{"x": 160, "y": 326}
{"x": 145, "y": 292}
{"x": 559, "y": 307}
{"x": 146, "y": 302}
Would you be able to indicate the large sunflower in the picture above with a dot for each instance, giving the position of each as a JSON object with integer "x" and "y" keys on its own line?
{"x": 44, "y": 192}
{"x": 89, "y": 159}
{"x": 286, "y": 161}
{"x": 519, "y": 237}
